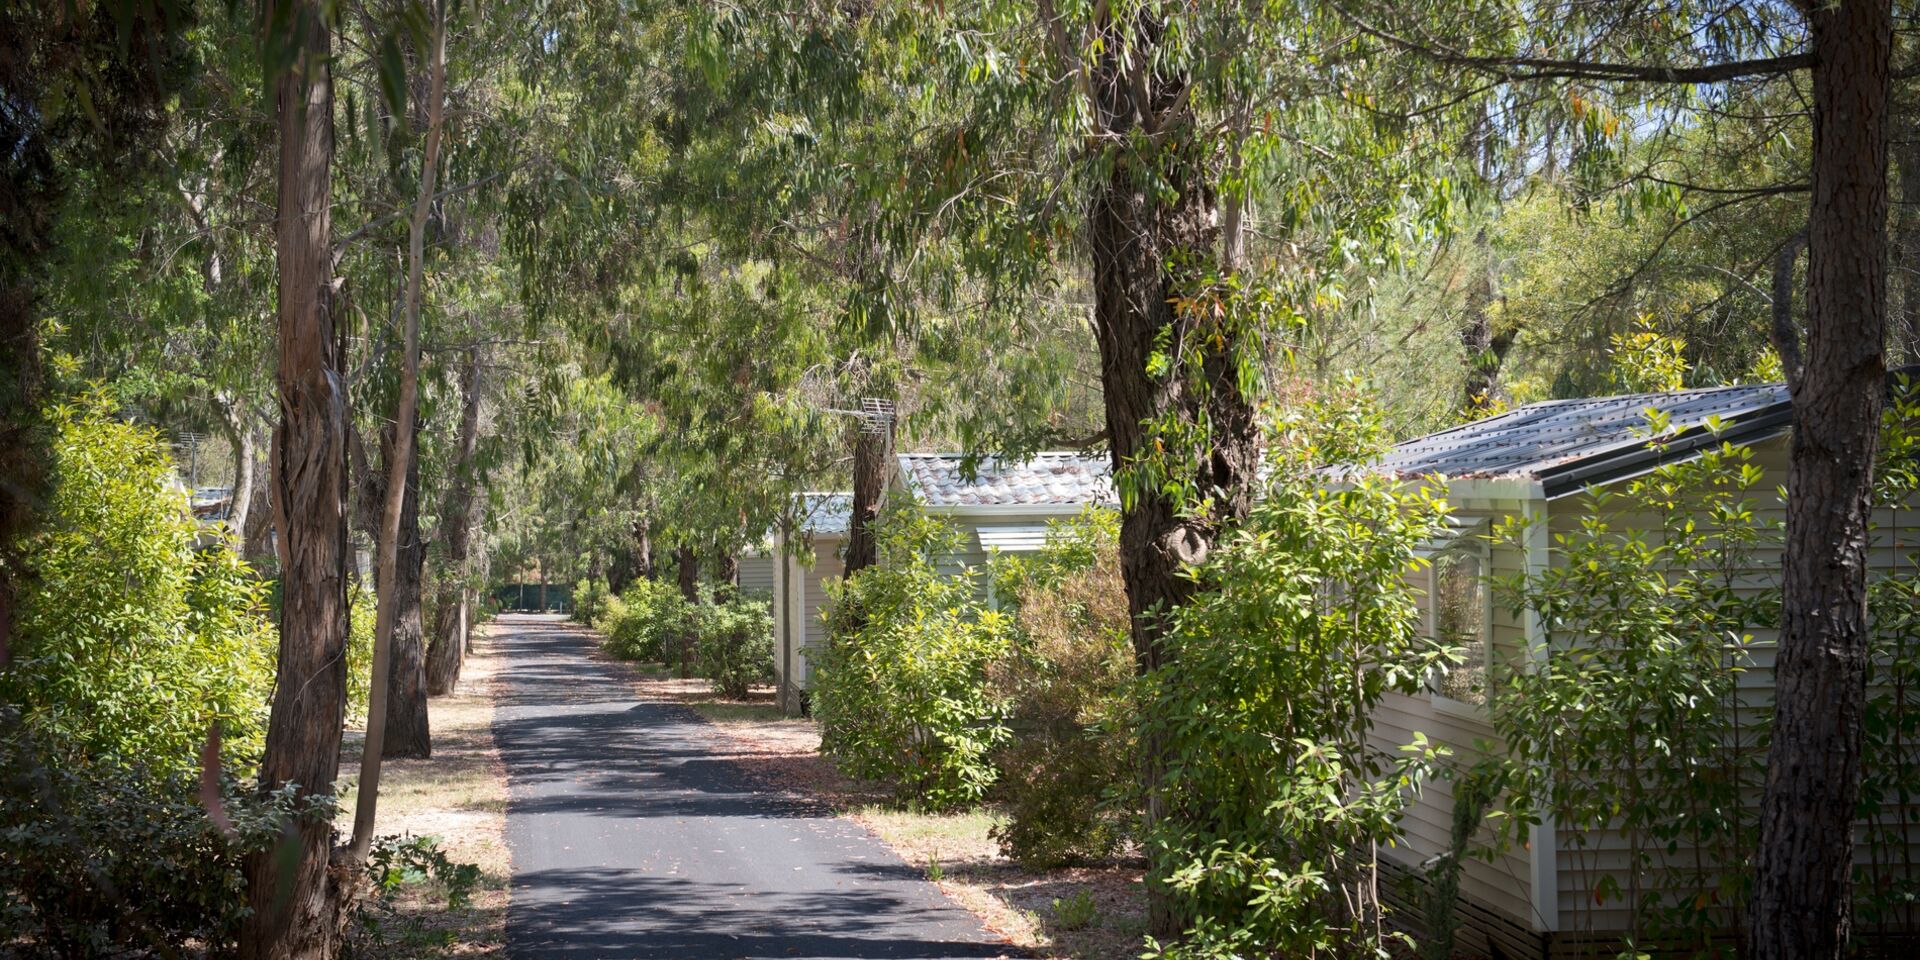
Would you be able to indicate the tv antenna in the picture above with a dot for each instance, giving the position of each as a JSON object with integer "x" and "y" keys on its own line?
{"x": 875, "y": 415}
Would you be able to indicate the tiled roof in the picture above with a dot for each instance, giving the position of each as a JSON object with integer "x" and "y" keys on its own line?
{"x": 1046, "y": 479}
{"x": 826, "y": 514}
{"x": 1568, "y": 444}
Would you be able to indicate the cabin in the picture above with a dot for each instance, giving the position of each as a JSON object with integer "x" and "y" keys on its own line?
{"x": 795, "y": 567}
{"x": 1550, "y": 463}
{"x": 1547, "y": 463}
{"x": 1002, "y": 505}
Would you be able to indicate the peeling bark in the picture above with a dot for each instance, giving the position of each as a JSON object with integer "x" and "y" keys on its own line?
{"x": 872, "y": 464}
{"x": 297, "y": 895}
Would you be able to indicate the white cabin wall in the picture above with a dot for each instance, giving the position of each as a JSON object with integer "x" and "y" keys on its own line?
{"x": 1503, "y": 885}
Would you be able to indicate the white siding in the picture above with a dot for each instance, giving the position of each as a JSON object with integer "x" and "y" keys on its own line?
{"x": 756, "y": 575}
{"x": 1582, "y": 861}
{"x": 814, "y": 602}
{"x": 1503, "y": 885}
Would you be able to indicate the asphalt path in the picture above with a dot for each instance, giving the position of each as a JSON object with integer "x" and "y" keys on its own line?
{"x": 632, "y": 838}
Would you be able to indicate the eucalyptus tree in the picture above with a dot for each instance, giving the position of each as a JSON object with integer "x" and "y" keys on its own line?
{"x": 454, "y": 600}
{"x": 1189, "y": 156}
{"x": 1672, "y": 62}
{"x": 296, "y": 907}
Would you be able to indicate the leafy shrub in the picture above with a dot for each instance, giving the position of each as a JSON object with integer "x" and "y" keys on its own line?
{"x": 1642, "y": 728}
{"x": 900, "y": 691}
{"x": 1639, "y": 725}
{"x": 1284, "y": 786}
{"x": 1070, "y": 771}
{"x": 104, "y": 859}
{"x": 735, "y": 643}
{"x": 140, "y": 630}
{"x": 589, "y": 598}
{"x": 646, "y": 622}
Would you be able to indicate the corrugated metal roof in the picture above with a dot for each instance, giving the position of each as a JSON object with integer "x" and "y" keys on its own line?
{"x": 1566, "y": 444}
{"x": 1046, "y": 479}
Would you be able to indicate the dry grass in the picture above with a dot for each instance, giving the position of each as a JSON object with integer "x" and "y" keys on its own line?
{"x": 1018, "y": 904}
{"x": 458, "y": 797}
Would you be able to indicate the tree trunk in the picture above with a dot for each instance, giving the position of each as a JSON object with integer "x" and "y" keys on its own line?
{"x": 633, "y": 563}
{"x": 1906, "y": 157}
{"x": 1151, "y": 234}
{"x": 257, "y": 540}
{"x": 298, "y": 902}
{"x": 1486, "y": 350}
{"x": 688, "y": 577}
{"x": 729, "y": 571}
{"x": 236, "y": 421}
{"x": 872, "y": 464}
{"x": 1802, "y": 891}
{"x": 408, "y": 734}
{"x": 400, "y": 464}
{"x": 449, "y": 649}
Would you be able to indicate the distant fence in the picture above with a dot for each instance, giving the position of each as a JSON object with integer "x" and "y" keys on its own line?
{"x": 535, "y": 597}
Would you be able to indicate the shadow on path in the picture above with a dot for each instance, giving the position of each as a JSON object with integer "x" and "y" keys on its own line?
{"x": 631, "y": 839}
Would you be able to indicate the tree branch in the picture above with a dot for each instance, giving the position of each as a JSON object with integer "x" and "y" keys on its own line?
{"x": 1548, "y": 68}
{"x": 1785, "y": 333}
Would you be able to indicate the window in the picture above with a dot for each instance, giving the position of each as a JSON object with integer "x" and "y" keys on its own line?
{"x": 1457, "y": 614}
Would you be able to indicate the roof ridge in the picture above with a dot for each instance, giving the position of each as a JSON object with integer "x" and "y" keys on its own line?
{"x": 1075, "y": 454}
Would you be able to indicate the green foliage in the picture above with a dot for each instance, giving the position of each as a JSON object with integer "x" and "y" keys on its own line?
{"x": 361, "y": 610}
{"x": 1076, "y": 912}
{"x": 589, "y": 600}
{"x": 1474, "y": 794}
{"x": 141, "y": 629}
{"x": 101, "y": 859}
{"x": 645, "y": 622}
{"x": 1648, "y": 361}
{"x": 1069, "y": 773}
{"x": 1632, "y": 730}
{"x": 395, "y": 864}
{"x": 1632, "y": 718}
{"x": 735, "y": 641}
{"x": 1267, "y": 706}
{"x": 900, "y": 691}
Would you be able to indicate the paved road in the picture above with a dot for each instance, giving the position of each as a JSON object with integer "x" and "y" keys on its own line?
{"x": 631, "y": 839}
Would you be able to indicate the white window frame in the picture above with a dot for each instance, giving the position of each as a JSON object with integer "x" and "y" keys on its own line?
{"x": 1472, "y": 542}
